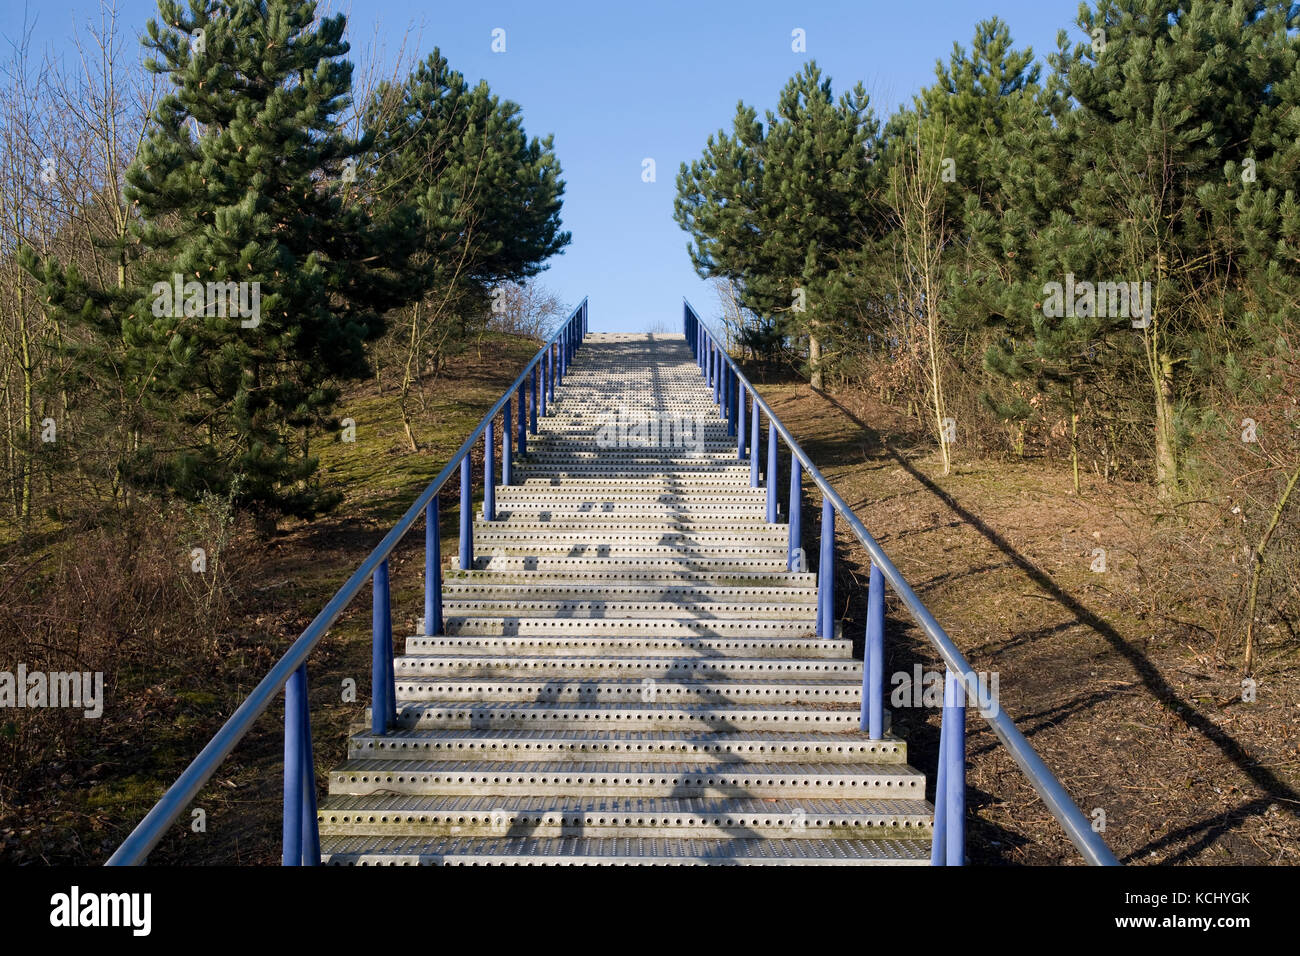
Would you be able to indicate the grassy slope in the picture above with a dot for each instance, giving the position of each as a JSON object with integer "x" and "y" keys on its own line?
{"x": 1140, "y": 716}
{"x": 84, "y": 816}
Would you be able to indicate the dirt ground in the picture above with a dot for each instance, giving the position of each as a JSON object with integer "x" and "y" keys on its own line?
{"x": 1142, "y": 720}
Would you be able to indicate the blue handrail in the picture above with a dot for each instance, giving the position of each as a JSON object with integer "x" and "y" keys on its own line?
{"x": 301, "y": 836}
{"x": 960, "y": 682}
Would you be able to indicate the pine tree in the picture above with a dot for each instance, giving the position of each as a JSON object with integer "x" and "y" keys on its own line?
{"x": 1166, "y": 95}
{"x": 777, "y": 209}
{"x": 452, "y": 172}
{"x": 238, "y": 187}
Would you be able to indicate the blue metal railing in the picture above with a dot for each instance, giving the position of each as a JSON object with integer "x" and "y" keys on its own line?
{"x": 731, "y": 391}
{"x": 301, "y": 838}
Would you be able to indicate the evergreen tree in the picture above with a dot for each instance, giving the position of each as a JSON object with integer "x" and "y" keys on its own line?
{"x": 1166, "y": 95}
{"x": 239, "y": 181}
{"x": 452, "y": 164}
{"x": 777, "y": 208}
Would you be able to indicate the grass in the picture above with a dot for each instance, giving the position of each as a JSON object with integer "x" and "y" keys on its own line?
{"x": 163, "y": 708}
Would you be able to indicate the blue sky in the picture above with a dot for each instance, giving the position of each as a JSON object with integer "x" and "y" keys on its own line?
{"x": 618, "y": 83}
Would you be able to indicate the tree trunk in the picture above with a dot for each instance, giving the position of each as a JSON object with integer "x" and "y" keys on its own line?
{"x": 1074, "y": 437}
{"x": 1165, "y": 437}
{"x": 814, "y": 361}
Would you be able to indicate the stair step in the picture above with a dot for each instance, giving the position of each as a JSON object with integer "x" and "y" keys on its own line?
{"x": 457, "y": 625}
{"x": 361, "y": 777}
{"x": 411, "y": 666}
{"x": 578, "y": 851}
{"x": 612, "y": 817}
{"x": 504, "y": 715}
{"x": 670, "y": 561}
{"x": 606, "y": 527}
{"x": 560, "y": 495}
{"x": 617, "y": 610}
{"x": 650, "y": 646}
{"x": 705, "y": 595}
{"x": 736, "y": 745}
{"x": 648, "y": 578}
{"x": 613, "y": 691}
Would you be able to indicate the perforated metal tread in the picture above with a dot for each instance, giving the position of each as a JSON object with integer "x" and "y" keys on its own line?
{"x": 627, "y": 671}
{"x": 578, "y": 851}
{"x": 629, "y": 668}
{"x": 606, "y": 817}
{"x": 685, "y": 645}
{"x": 739, "y": 745}
{"x": 636, "y": 715}
{"x": 578, "y": 689}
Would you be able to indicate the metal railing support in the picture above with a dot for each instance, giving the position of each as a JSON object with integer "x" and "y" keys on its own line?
{"x": 729, "y": 384}
{"x": 466, "y": 516}
{"x": 532, "y": 408}
{"x": 742, "y": 429}
{"x": 796, "y": 524}
{"x": 300, "y": 831}
{"x": 873, "y": 659}
{"x": 826, "y": 573}
{"x": 949, "y": 842}
{"x": 550, "y": 375}
{"x": 523, "y": 418}
{"x": 505, "y": 444}
{"x": 545, "y": 382}
{"x": 382, "y": 693}
{"x": 432, "y": 569}
{"x": 489, "y": 478}
{"x": 753, "y": 444}
{"x": 771, "y": 469}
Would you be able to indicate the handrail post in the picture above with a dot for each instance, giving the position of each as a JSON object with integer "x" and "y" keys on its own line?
{"x": 753, "y": 442}
{"x": 954, "y": 728}
{"x": 826, "y": 573}
{"x": 796, "y": 528}
{"x": 717, "y": 375}
{"x": 771, "y": 470}
{"x": 742, "y": 429}
{"x": 873, "y": 658}
{"x": 489, "y": 476}
{"x": 300, "y": 831}
{"x": 466, "y": 516}
{"x": 550, "y": 376}
{"x": 310, "y": 824}
{"x": 939, "y": 831}
{"x": 532, "y": 409}
{"x": 523, "y": 416}
{"x": 505, "y": 443}
{"x": 381, "y": 687}
{"x": 432, "y": 569}
{"x": 729, "y": 382}
{"x": 541, "y": 372}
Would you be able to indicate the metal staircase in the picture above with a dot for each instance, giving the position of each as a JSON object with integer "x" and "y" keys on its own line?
{"x": 628, "y": 662}
{"x": 627, "y": 672}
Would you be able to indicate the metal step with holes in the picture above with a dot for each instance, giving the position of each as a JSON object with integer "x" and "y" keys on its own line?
{"x": 628, "y": 671}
